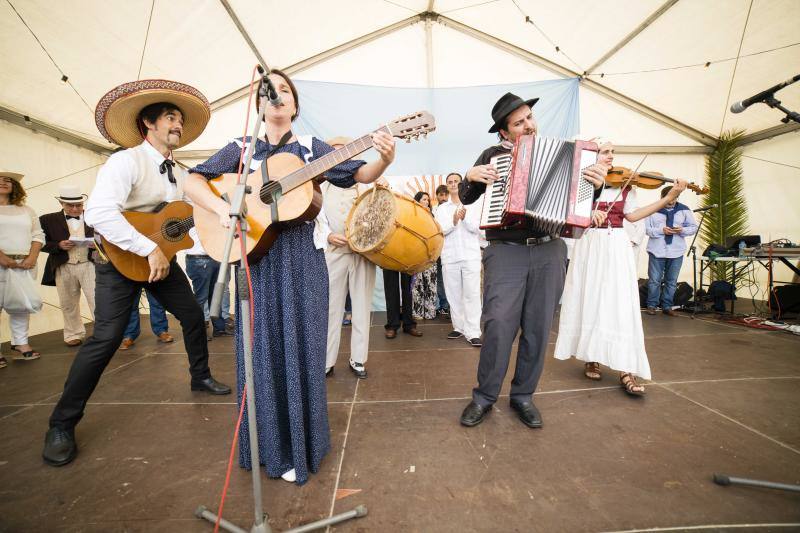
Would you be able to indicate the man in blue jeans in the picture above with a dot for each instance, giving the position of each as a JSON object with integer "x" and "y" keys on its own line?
{"x": 667, "y": 230}
{"x": 158, "y": 322}
{"x": 203, "y": 271}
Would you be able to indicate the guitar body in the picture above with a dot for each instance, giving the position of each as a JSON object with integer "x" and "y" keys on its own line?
{"x": 294, "y": 207}
{"x": 167, "y": 228}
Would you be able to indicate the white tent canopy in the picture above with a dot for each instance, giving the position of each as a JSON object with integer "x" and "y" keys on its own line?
{"x": 656, "y": 76}
{"x": 631, "y": 52}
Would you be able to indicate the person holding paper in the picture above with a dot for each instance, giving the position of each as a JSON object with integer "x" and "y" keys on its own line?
{"x": 69, "y": 267}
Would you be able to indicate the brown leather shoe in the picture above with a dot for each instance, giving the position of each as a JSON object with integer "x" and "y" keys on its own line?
{"x": 165, "y": 337}
{"x": 651, "y": 310}
{"x": 670, "y": 312}
{"x": 390, "y": 333}
{"x": 126, "y": 344}
{"x": 414, "y": 332}
{"x": 73, "y": 343}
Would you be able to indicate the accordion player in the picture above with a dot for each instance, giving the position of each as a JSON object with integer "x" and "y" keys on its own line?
{"x": 541, "y": 180}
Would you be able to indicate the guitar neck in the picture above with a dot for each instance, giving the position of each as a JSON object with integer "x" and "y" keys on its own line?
{"x": 328, "y": 161}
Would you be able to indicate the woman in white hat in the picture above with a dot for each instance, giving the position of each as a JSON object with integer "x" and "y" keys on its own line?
{"x": 21, "y": 238}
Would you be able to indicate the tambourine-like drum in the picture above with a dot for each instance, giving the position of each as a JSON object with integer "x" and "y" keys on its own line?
{"x": 393, "y": 231}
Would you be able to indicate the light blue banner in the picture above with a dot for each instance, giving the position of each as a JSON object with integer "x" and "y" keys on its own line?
{"x": 463, "y": 117}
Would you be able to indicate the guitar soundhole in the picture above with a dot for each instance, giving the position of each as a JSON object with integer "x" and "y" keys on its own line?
{"x": 173, "y": 229}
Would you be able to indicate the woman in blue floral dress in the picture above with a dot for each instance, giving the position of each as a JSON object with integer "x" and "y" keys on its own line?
{"x": 290, "y": 300}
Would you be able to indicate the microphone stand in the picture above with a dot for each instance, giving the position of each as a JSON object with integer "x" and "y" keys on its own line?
{"x": 774, "y": 103}
{"x": 238, "y": 215}
{"x": 693, "y": 251}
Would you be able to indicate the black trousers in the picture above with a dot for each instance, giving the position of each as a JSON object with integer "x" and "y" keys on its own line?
{"x": 521, "y": 289}
{"x": 114, "y": 297}
{"x": 392, "y": 282}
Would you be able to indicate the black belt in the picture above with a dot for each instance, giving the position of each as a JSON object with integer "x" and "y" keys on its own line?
{"x": 530, "y": 241}
{"x": 197, "y": 255}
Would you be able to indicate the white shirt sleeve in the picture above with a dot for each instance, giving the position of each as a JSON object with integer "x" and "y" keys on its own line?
{"x": 104, "y": 207}
{"x": 321, "y": 230}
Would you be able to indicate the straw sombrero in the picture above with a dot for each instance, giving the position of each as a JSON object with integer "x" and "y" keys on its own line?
{"x": 16, "y": 176}
{"x": 118, "y": 110}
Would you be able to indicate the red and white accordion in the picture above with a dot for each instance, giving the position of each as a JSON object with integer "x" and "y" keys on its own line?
{"x": 541, "y": 179}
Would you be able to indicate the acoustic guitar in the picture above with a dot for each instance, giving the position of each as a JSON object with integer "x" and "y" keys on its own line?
{"x": 168, "y": 226}
{"x": 291, "y": 196}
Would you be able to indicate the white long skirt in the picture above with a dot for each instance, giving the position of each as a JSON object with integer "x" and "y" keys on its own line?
{"x": 600, "y": 319}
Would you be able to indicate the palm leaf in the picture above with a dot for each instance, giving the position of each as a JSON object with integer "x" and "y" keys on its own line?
{"x": 726, "y": 189}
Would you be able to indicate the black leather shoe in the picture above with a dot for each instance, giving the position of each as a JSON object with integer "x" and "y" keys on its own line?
{"x": 59, "y": 447}
{"x": 328, "y": 372}
{"x": 211, "y": 386}
{"x": 474, "y": 414}
{"x": 528, "y": 413}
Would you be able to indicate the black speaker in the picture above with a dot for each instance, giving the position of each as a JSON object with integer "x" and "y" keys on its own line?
{"x": 683, "y": 293}
{"x": 785, "y": 299}
{"x": 643, "y": 292}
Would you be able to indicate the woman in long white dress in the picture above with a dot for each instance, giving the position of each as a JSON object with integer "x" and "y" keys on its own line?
{"x": 600, "y": 320}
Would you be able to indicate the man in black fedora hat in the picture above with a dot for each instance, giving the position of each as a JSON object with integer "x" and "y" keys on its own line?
{"x": 524, "y": 271}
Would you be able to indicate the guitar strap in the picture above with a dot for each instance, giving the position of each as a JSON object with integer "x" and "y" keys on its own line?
{"x": 281, "y": 144}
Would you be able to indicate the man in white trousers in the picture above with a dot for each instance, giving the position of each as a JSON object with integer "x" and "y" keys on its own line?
{"x": 347, "y": 270}
{"x": 461, "y": 263}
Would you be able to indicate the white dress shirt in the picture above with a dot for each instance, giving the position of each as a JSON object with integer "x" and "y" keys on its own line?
{"x": 461, "y": 241}
{"x": 104, "y": 207}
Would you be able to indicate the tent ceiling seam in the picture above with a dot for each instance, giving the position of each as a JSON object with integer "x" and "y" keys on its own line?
{"x": 694, "y": 134}
{"x": 735, "y": 65}
{"x": 243, "y": 32}
{"x": 146, "y": 36}
{"x": 769, "y": 133}
{"x": 632, "y": 35}
{"x": 39, "y": 126}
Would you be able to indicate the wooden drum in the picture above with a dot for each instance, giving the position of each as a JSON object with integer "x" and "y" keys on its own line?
{"x": 393, "y": 231}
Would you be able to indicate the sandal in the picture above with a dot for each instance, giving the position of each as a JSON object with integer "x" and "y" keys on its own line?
{"x": 630, "y": 385}
{"x": 592, "y": 371}
{"x": 3, "y": 362}
{"x": 30, "y": 355}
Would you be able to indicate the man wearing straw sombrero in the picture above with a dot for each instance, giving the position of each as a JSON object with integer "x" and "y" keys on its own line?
{"x": 69, "y": 265}
{"x": 150, "y": 118}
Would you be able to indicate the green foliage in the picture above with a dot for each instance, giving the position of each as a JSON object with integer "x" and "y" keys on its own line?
{"x": 726, "y": 188}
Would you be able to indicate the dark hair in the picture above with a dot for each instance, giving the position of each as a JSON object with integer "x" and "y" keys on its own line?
{"x": 419, "y": 195}
{"x": 152, "y": 112}
{"x": 18, "y": 194}
{"x": 665, "y": 191}
{"x": 290, "y": 83}
{"x": 441, "y": 189}
{"x": 460, "y": 177}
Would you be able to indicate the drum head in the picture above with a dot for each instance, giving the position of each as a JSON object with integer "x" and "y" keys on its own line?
{"x": 371, "y": 219}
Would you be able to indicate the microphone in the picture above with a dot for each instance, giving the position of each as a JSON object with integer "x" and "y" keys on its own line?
{"x": 272, "y": 95}
{"x": 738, "y": 107}
{"x": 705, "y": 208}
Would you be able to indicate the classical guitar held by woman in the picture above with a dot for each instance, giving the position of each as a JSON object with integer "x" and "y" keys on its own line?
{"x": 292, "y": 187}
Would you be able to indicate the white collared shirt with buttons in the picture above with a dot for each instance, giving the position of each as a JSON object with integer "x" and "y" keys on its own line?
{"x": 112, "y": 188}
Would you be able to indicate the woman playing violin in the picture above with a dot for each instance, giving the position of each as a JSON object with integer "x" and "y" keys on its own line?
{"x": 600, "y": 320}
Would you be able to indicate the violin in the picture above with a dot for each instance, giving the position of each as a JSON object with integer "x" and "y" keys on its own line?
{"x": 617, "y": 177}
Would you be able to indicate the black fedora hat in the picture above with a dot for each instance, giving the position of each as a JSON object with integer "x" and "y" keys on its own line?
{"x": 506, "y": 105}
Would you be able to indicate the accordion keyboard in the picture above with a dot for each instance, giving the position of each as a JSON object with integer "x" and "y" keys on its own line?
{"x": 496, "y": 195}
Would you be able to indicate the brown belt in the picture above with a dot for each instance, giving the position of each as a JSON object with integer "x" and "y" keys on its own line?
{"x": 15, "y": 256}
